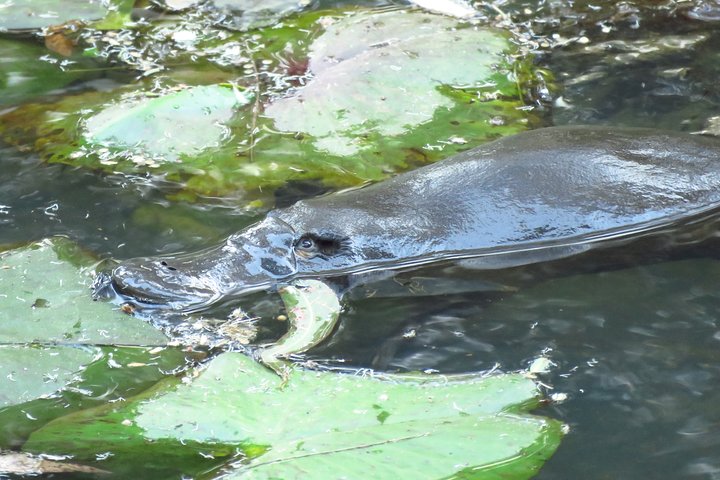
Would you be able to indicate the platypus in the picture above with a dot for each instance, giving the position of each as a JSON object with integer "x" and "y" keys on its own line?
{"x": 532, "y": 197}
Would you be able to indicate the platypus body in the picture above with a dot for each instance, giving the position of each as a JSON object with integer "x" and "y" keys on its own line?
{"x": 533, "y": 197}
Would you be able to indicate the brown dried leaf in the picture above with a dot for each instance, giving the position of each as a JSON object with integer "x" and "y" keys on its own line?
{"x": 60, "y": 44}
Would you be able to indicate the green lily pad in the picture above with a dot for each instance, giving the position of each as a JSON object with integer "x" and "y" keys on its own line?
{"x": 41, "y": 383}
{"x": 60, "y": 351}
{"x": 176, "y": 124}
{"x": 32, "y": 372}
{"x": 437, "y": 87}
{"x": 38, "y": 14}
{"x": 354, "y": 426}
{"x": 46, "y": 299}
{"x": 380, "y": 74}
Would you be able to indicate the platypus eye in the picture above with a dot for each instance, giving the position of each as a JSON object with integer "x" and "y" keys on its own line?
{"x": 307, "y": 247}
{"x": 311, "y": 245}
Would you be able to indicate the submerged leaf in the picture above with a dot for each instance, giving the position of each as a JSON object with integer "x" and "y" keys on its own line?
{"x": 356, "y": 427}
{"x": 313, "y": 309}
{"x": 23, "y": 75}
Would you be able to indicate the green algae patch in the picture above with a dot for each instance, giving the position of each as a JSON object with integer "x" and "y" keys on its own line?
{"x": 357, "y": 426}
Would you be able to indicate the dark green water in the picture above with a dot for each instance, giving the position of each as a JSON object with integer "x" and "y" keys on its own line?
{"x": 637, "y": 347}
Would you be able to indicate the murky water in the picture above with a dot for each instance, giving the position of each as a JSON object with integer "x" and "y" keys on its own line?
{"x": 636, "y": 346}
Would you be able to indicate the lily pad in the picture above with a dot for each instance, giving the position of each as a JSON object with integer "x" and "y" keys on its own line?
{"x": 417, "y": 89}
{"x": 32, "y": 372}
{"x": 354, "y": 426}
{"x": 40, "y": 383}
{"x": 59, "y": 350}
{"x": 46, "y": 299}
{"x": 380, "y": 74}
{"x": 167, "y": 127}
{"x": 38, "y": 14}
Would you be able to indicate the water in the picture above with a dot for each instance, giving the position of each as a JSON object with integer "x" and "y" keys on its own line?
{"x": 636, "y": 346}
{"x": 108, "y": 215}
{"x": 635, "y": 349}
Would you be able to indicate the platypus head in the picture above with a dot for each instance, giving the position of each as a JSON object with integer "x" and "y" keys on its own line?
{"x": 251, "y": 260}
{"x": 264, "y": 255}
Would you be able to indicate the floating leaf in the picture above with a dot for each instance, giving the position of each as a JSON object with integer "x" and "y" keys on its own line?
{"x": 313, "y": 309}
{"x": 38, "y": 14}
{"x": 380, "y": 73}
{"x": 46, "y": 298}
{"x": 353, "y": 426}
{"x": 453, "y": 90}
{"x": 46, "y": 301}
{"x": 41, "y": 383}
{"x": 167, "y": 127}
{"x": 27, "y": 373}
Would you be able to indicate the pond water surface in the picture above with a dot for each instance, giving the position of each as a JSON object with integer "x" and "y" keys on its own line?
{"x": 636, "y": 346}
